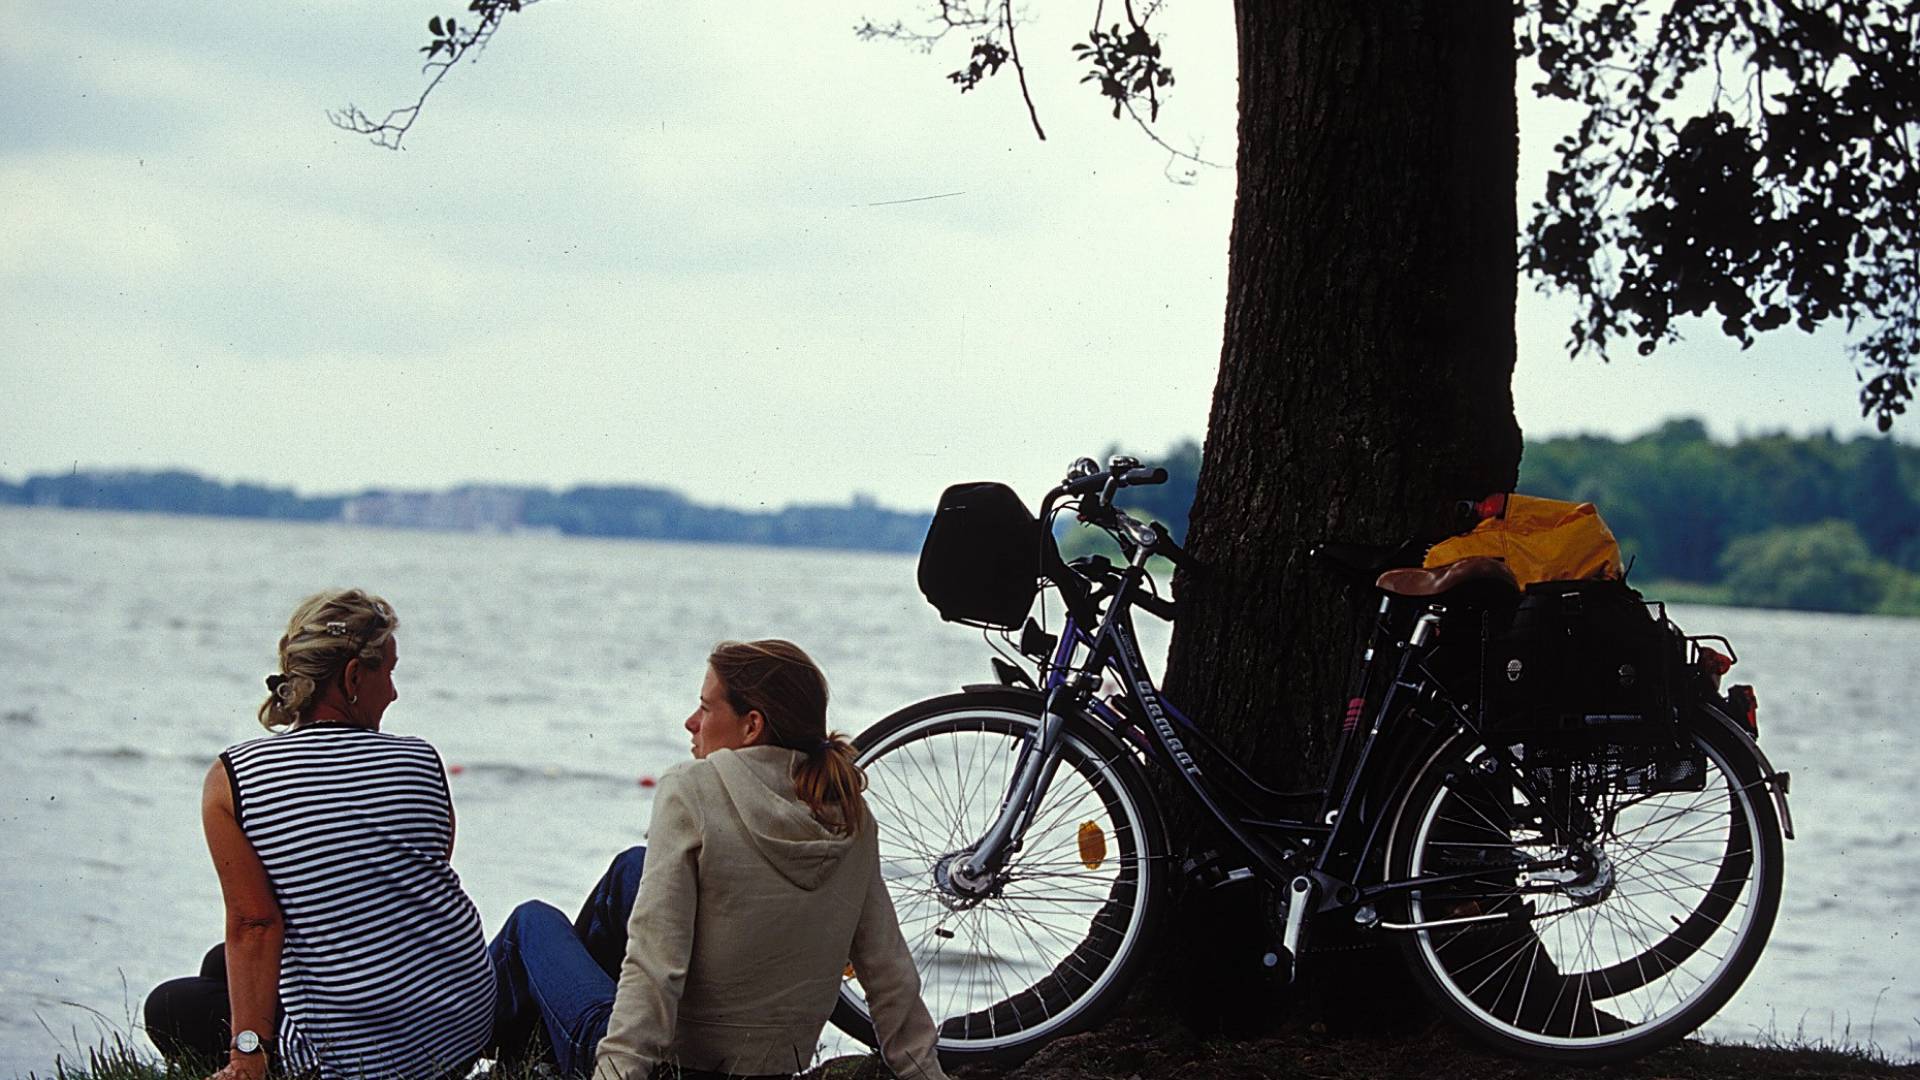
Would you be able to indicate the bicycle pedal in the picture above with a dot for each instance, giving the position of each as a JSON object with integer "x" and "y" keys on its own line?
{"x": 1208, "y": 870}
{"x": 1279, "y": 964}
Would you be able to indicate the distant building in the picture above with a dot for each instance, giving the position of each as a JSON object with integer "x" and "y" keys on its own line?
{"x": 466, "y": 509}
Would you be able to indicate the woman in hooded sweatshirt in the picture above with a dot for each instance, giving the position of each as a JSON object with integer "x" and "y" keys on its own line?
{"x": 761, "y": 883}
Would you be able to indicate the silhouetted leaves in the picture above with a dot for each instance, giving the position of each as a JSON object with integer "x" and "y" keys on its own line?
{"x": 1125, "y": 65}
{"x": 988, "y": 55}
{"x": 1751, "y": 162}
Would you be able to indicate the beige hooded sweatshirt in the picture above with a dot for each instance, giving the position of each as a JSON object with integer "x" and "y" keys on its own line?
{"x": 748, "y": 912}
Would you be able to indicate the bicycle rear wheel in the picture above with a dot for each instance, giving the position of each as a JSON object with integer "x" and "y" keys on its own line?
{"x": 1054, "y": 944}
{"x": 1640, "y": 886}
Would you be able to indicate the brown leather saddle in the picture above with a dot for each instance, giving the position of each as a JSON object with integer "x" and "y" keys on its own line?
{"x": 1486, "y": 575}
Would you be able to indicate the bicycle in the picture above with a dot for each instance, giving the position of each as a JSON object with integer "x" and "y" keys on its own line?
{"x": 1583, "y": 892}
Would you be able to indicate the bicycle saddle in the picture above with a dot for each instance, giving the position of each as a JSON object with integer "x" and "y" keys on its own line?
{"x": 1485, "y": 571}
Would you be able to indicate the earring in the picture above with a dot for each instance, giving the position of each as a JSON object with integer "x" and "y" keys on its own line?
{"x": 353, "y": 699}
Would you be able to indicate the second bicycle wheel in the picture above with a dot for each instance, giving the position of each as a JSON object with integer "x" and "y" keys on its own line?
{"x": 1052, "y": 945}
{"x": 1638, "y": 885}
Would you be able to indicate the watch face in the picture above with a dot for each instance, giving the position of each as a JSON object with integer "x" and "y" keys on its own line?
{"x": 247, "y": 1042}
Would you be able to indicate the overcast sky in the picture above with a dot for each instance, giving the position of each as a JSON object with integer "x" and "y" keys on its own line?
{"x": 704, "y": 246}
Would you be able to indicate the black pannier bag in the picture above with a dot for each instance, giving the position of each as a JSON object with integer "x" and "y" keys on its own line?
{"x": 1586, "y": 674}
{"x": 980, "y": 564}
{"x": 1583, "y": 658}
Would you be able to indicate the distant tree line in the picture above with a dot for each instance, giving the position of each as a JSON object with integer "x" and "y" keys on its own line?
{"x": 658, "y": 513}
{"x": 629, "y": 512}
{"x": 170, "y": 491}
{"x": 1771, "y": 520}
{"x": 1815, "y": 523}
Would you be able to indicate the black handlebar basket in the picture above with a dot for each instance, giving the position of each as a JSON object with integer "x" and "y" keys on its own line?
{"x": 981, "y": 562}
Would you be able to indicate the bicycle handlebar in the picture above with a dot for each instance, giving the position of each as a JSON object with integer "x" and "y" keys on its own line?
{"x": 1115, "y": 478}
{"x": 1122, "y": 472}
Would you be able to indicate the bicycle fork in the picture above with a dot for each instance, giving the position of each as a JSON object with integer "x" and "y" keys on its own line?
{"x": 973, "y": 871}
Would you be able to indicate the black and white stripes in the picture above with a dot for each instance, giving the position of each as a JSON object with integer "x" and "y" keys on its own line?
{"x": 384, "y": 971}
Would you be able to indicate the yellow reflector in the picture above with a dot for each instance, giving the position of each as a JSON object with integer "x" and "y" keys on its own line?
{"x": 1093, "y": 845}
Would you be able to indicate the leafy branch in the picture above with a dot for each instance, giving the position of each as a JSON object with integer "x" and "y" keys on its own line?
{"x": 450, "y": 42}
{"x": 1124, "y": 62}
{"x": 1791, "y": 196}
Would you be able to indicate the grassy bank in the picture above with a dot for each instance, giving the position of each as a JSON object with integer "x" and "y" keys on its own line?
{"x": 1133, "y": 1050}
{"x": 1138, "y": 1050}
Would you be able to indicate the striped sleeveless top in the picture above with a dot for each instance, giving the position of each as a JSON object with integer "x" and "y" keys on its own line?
{"x": 384, "y": 972}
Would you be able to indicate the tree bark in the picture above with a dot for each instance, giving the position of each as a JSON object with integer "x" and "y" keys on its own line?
{"x": 1365, "y": 377}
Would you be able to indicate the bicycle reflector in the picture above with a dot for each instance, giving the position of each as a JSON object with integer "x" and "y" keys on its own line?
{"x": 1715, "y": 664}
{"x": 1093, "y": 845}
{"x": 1746, "y": 708}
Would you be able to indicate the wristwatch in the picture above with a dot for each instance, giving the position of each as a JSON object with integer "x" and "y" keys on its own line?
{"x": 247, "y": 1042}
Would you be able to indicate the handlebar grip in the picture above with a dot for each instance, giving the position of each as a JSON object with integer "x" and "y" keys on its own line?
{"x": 1154, "y": 475}
{"x": 1084, "y": 484}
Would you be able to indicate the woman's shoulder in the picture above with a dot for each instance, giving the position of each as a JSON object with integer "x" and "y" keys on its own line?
{"x": 325, "y": 737}
{"x": 689, "y": 777}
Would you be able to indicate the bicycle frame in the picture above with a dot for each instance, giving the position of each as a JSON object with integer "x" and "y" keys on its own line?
{"x": 1340, "y": 842}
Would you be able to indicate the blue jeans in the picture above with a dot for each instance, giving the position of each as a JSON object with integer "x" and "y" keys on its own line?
{"x": 561, "y": 976}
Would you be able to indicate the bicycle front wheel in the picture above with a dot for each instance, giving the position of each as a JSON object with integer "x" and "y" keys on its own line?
{"x": 1051, "y": 948}
{"x": 1638, "y": 887}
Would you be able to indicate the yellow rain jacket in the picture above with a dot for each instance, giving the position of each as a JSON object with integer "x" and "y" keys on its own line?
{"x": 1540, "y": 540}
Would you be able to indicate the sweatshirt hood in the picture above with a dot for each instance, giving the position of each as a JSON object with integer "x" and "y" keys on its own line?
{"x": 758, "y": 781}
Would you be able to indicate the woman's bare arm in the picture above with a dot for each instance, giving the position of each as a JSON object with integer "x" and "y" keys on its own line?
{"x": 254, "y": 931}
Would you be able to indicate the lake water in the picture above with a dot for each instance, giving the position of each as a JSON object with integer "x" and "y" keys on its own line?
{"x": 553, "y": 674}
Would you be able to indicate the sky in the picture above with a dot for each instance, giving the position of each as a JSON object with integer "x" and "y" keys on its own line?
{"x": 707, "y": 247}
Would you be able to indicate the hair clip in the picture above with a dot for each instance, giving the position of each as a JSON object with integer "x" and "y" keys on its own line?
{"x": 274, "y": 682}
{"x": 336, "y": 629}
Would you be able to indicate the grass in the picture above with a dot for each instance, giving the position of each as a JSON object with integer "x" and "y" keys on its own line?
{"x": 1118, "y": 1052}
{"x": 1138, "y": 1049}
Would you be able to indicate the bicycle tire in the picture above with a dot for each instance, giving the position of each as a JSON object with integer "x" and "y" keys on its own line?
{"x": 1033, "y": 965}
{"x": 1678, "y": 905}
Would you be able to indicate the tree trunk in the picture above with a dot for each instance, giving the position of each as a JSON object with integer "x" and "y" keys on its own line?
{"x": 1369, "y": 348}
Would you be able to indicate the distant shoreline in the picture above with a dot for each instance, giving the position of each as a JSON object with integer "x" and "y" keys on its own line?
{"x": 610, "y": 511}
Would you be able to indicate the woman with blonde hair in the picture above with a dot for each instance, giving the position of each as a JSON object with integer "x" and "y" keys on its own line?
{"x": 718, "y": 949}
{"x": 351, "y": 949}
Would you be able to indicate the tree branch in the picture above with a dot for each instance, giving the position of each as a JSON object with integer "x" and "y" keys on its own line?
{"x": 450, "y": 39}
{"x": 1019, "y": 69}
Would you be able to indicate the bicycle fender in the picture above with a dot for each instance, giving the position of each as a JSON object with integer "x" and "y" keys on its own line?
{"x": 1422, "y": 760}
{"x": 1000, "y": 688}
{"x": 1016, "y": 696}
{"x": 1776, "y": 781}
